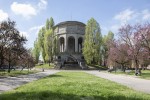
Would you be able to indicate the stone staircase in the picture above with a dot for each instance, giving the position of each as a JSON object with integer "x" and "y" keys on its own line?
{"x": 71, "y": 62}
{"x": 71, "y": 67}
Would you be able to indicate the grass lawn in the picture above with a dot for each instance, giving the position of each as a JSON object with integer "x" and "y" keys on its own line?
{"x": 73, "y": 86}
{"x": 17, "y": 72}
{"x": 145, "y": 74}
{"x": 45, "y": 66}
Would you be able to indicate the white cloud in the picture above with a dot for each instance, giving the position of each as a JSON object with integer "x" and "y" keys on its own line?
{"x": 26, "y": 10}
{"x": 132, "y": 15}
{"x": 35, "y": 29}
{"x": 128, "y": 16}
{"x": 24, "y": 34}
{"x": 146, "y": 14}
{"x": 125, "y": 15}
{"x": 3, "y": 15}
{"x": 42, "y": 4}
{"x": 114, "y": 28}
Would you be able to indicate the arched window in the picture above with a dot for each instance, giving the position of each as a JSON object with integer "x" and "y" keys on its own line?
{"x": 71, "y": 44}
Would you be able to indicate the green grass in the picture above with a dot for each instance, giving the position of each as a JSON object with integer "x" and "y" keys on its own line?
{"x": 73, "y": 86}
{"x": 145, "y": 74}
{"x": 14, "y": 73}
{"x": 45, "y": 66}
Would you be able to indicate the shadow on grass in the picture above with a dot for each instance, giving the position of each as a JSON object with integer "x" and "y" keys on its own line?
{"x": 48, "y": 95}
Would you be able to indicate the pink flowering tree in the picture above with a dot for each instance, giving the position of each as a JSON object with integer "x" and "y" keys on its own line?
{"x": 118, "y": 53}
{"x": 143, "y": 37}
{"x": 137, "y": 39}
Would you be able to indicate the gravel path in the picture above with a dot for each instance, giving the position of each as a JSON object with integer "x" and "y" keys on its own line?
{"x": 129, "y": 81}
{"x": 10, "y": 83}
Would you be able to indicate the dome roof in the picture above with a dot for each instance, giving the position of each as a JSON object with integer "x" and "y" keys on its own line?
{"x": 69, "y": 22}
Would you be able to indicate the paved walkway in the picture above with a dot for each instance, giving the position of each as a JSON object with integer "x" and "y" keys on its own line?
{"x": 131, "y": 82}
{"x": 10, "y": 83}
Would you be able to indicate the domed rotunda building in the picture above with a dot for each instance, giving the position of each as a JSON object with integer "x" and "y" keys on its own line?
{"x": 70, "y": 35}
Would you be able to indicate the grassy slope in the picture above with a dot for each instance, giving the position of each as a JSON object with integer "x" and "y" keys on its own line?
{"x": 73, "y": 86}
{"x": 17, "y": 72}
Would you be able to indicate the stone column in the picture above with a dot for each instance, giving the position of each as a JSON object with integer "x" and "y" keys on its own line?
{"x": 58, "y": 45}
{"x": 65, "y": 44}
{"x": 76, "y": 44}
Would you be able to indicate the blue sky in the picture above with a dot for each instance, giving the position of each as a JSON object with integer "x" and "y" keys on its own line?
{"x": 30, "y": 15}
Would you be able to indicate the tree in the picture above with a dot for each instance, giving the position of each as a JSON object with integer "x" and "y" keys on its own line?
{"x": 48, "y": 40}
{"x": 26, "y": 60}
{"x": 11, "y": 43}
{"x": 107, "y": 39}
{"x": 92, "y": 42}
{"x": 98, "y": 45}
{"x": 143, "y": 36}
{"x": 41, "y": 42}
{"x": 118, "y": 54}
{"x": 36, "y": 51}
{"x": 49, "y": 23}
{"x": 128, "y": 35}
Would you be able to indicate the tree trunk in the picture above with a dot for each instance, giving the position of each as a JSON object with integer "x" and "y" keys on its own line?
{"x": 28, "y": 66}
{"x": 104, "y": 62}
{"x": 123, "y": 68}
{"x": 22, "y": 69}
{"x": 1, "y": 57}
{"x": 137, "y": 70}
{"x": 2, "y": 60}
{"x": 49, "y": 61}
{"x": 9, "y": 63}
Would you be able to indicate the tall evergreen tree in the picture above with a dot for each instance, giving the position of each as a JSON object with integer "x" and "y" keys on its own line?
{"x": 48, "y": 40}
{"x": 47, "y": 26}
{"x": 105, "y": 41}
{"x": 92, "y": 42}
{"x": 41, "y": 42}
{"x": 98, "y": 44}
{"x": 36, "y": 51}
{"x": 45, "y": 40}
{"x": 51, "y": 23}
